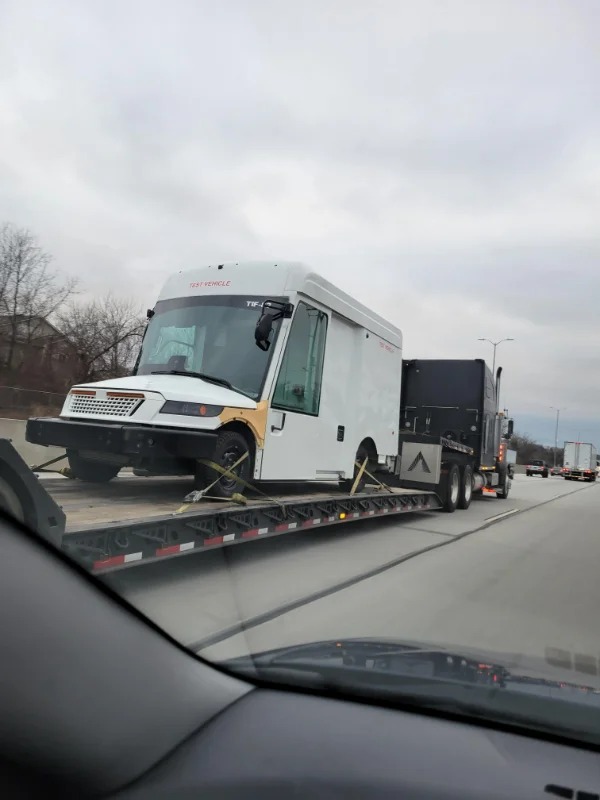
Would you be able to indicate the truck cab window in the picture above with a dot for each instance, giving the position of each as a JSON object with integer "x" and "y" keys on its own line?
{"x": 298, "y": 386}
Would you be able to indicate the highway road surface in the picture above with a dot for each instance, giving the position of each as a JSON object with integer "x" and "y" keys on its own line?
{"x": 518, "y": 576}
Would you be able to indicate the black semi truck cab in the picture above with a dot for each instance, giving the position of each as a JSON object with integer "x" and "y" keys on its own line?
{"x": 453, "y": 399}
{"x": 450, "y": 406}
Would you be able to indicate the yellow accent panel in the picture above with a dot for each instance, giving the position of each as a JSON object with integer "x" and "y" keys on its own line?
{"x": 255, "y": 419}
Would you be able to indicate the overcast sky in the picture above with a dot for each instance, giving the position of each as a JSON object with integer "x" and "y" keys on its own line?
{"x": 440, "y": 160}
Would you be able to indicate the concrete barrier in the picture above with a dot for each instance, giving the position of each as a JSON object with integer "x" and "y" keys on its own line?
{"x": 32, "y": 454}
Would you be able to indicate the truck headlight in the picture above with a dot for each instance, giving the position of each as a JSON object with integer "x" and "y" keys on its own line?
{"x": 190, "y": 409}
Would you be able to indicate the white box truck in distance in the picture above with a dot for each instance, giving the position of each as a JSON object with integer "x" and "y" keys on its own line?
{"x": 579, "y": 461}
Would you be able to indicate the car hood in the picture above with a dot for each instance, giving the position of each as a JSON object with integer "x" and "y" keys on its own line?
{"x": 184, "y": 388}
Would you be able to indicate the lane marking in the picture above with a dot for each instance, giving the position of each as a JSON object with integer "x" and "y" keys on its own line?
{"x": 268, "y": 616}
{"x": 504, "y": 514}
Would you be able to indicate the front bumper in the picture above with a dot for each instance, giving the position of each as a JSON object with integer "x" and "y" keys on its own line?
{"x": 132, "y": 441}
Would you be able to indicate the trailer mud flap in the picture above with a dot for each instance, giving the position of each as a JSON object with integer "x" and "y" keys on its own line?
{"x": 421, "y": 463}
{"x": 22, "y": 496}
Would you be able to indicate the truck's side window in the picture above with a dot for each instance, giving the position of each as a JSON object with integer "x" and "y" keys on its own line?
{"x": 298, "y": 386}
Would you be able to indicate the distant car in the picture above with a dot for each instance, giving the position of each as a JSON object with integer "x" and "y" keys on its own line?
{"x": 556, "y": 470}
{"x": 537, "y": 468}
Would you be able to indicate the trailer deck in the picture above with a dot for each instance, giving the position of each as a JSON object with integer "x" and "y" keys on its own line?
{"x": 129, "y": 520}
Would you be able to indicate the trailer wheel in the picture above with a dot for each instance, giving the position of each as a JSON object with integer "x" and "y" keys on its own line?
{"x": 450, "y": 489}
{"x": 230, "y": 447}
{"x": 504, "y": 488}
{"x": 466, "y": 487}
{"x": 91, "y": 471}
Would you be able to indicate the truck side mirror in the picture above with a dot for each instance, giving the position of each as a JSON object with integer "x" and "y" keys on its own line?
{"x": 263, "y": 329}
{"x": 271, "y": 310}
{"x": 509, "y": 429}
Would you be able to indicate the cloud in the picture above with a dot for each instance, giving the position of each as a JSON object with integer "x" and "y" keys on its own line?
{"x": 439, "y": 159}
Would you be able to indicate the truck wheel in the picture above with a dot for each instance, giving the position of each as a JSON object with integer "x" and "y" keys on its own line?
{"x": 361, "y": 454}
{"x": 91, "y": 471}
{"x": 450, "y": 489}
{"x": 466, "y": 487}
{"x": 545, "y": 475}
{"x": 504, "y": 487}
{"x": 230, "y": 447}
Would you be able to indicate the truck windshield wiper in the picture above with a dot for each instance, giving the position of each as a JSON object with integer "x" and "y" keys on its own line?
{"x": 202, "y": 375}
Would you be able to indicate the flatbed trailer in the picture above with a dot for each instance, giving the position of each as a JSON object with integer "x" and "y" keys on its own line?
{"x": 110, "y": 527}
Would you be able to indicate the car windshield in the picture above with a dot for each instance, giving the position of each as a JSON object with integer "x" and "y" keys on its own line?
{"x": 384, "y": 486}
{"x": 210, "y": 335}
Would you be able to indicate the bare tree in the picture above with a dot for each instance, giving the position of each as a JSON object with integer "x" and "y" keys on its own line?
{"x": 528, "y": 450}
{"x": 30, "y": 290}
{"x": 106, "y": 334}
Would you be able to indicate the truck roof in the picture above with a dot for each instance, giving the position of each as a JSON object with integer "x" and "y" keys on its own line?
{"x": 275, "y": 279}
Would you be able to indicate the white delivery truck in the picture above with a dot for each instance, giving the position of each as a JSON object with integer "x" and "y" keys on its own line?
{"x": 321, "y": 387}
{"x": 579, "y": 461}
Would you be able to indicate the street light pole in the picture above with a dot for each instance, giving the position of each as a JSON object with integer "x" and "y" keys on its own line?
{"x": 495, "y": 345}
{"x": 558, "y": 410}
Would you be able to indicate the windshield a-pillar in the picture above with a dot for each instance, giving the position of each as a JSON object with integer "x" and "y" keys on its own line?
{"x": 211, "y": 335}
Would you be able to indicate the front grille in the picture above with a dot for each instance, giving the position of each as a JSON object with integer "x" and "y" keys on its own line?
{"x": 105, "y": 407}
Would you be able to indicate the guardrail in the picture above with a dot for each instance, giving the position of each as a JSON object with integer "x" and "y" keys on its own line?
{"x": 18, "y": 403}
{"x": 32, "y": 454}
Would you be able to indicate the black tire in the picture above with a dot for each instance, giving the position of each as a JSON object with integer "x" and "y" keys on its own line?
{"x": 361, "y": 454}
{"x": 528, "y": 474}
{"x": 466, "y": 487}
{"x": 545, "y": 475}
{"x": 229, "y": 448}
{"x": 450, "y": 489}
{"x": 504, "y": 488}
{"x": 91, "y": 471}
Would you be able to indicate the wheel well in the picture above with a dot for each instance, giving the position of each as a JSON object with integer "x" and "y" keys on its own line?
{"x": 369, "y": 446}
